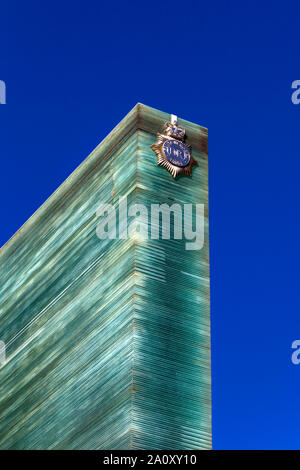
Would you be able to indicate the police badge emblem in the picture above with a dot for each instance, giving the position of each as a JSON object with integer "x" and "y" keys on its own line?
{"x": 171, "y": 151}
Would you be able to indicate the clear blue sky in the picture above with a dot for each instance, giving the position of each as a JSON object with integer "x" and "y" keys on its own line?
{"x": 74, "y": 69}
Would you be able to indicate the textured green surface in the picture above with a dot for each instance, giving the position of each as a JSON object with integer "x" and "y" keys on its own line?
{"x": 108, "y": 341}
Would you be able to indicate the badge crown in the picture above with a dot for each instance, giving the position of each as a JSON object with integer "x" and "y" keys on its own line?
{"x": 174, "y": 131}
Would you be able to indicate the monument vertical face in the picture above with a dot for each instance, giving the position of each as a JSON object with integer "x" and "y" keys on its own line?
{"x": 104, "y": 294}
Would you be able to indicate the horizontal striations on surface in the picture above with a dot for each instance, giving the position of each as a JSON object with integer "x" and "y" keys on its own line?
{"x": 66, "y": 313}
{"x": 172, "y": 393}
{"x": 108, "y": 341}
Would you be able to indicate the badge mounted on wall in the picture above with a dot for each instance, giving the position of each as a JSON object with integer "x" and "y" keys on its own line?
{"x": 172, "y": 152}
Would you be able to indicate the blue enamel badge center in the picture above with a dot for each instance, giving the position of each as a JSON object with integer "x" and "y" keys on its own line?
{"x": 177, "y": 153}
{"x": 172, "y": 152}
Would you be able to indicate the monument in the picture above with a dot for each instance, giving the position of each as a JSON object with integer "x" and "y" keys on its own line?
{"x": 104, "y": 299}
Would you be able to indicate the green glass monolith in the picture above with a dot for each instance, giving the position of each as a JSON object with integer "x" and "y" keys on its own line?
{"x": 107, "y": 341}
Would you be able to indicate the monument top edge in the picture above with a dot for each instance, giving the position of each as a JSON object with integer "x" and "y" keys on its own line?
{"x": 141, "y": 117}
